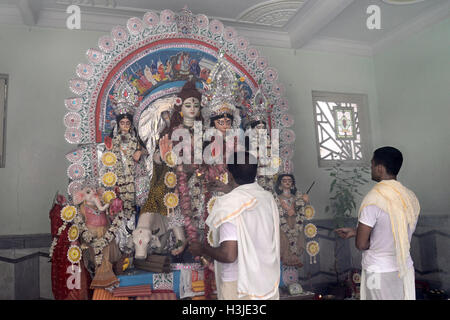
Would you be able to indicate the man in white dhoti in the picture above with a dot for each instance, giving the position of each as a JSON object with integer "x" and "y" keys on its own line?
{"x": 244, "y": 227}
{"x": 387, "y": 219}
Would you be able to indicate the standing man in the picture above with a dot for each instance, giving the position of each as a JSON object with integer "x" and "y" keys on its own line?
{"x": 244, "y": 225}
{"x": 387, "y": 220}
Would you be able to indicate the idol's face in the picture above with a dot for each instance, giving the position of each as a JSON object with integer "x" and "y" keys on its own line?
{"x": 222, "y": 124}
{"x": 286, "y": 182}
{"x": 260, "y": 126}
{"x": 124, "y": 125}
{"x": 190, "y": 108}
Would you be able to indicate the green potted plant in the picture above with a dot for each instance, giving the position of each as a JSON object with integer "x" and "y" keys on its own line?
{"x": 344, "y": 188}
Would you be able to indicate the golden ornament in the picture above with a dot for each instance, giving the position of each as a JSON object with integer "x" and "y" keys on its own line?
{"x": 170, "y": 200}
{"x": 108, "y": 196}
{"x": 309, "y": 212}
{"x": 312, "y": 248}
{"x": 310, "y": 230}
{"x": 73, "y": 233}
{"x": 74, "y": 254}
{"x": 109, "y": 159}
{"x": 171, "y": 159}
{"x": 109, "y": 179}
{"x": 170, "y": 180}
{"x": 68, "y": 213}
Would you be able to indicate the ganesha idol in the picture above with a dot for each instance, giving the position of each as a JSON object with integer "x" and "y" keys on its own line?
{"x": 100, "y": 251}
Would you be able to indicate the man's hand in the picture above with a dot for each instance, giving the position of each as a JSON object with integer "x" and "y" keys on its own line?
{"x": 346, "y": 233}
{"x": 195, "y": 248}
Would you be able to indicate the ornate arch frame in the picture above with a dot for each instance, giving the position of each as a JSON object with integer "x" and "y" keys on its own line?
{"x": 88, "y": 119}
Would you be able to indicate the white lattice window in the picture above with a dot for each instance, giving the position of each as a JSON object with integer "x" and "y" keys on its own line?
{"x": 3, "y": 90}
{"x": 342, "y": 128}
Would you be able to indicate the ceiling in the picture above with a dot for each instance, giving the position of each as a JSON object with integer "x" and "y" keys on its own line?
{"x": 329, "y": 25}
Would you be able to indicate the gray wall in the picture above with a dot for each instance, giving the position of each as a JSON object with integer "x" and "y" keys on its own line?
{"x": 40, "y": 63}
{"x": 412, "y": 80}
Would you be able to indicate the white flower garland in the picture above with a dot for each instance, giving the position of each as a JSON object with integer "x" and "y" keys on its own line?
{"x": 98, "y": 244}
{"x": 56, "y": 238}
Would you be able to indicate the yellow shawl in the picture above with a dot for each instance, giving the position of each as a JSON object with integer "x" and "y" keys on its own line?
{"x": 403, "y": 208}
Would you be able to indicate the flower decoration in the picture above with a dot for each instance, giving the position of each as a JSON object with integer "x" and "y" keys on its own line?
{"x": 106, "y": 44}
{"x": 72, "y": 120}
{"x": 73, "y": 135}
{"x": 309, "y": 212}
{"x": 170, "y": 180}
{"x": 78, "y": 86}
{"x": 313, "y": 248}
{"x": 287, "y": 152}
{"x": 75, "y": 171}
{"x": 94, "y": 56}
{"x": 211, "y": 204}
{"x": 202, "y": 21}
{"x": 178, "y": 101}
{"x": 229, "y": 34}
{"x": 85, "y": 71}
{"x": 287, "y": 120}
{"x": 170, "y": 200}
{"x": 74, "y": 254}
{"x": 253, "y": 53}
{"x": 73, "y": 104}
{"x": 151, "y": 19}
{"x": 73, "y": 233}
{"x": 290, "y": 275}
{"x": 68, "y": 213}
{"x": 310, "y": 230}
{"x": 109, "y": 179}
{"x": 170, "y": 159}
{"x": 356, "y": 278}
{"x": 109, "y": 159}
{"x": 108, "y": 196}
{"x": 284, "y": 105}
{"x": 278, "y": 89}
{"x": 119, "y": 34}
{"x": 242, "y": 43}
{"x": 74, "y": 156}
{"x": 271, "y": 74}
{"x": 288, "y": 136}
{"x": 242, "y": 79}
{"x": 216, "y": 27}
{"x": 135, "y": 26}
{"x": 224, "y": 178}
{"x": 167, "y": 17}
{"x": 262, "y": 62}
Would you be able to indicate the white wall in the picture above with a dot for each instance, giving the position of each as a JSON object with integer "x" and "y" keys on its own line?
{"x": 413, "y": 83}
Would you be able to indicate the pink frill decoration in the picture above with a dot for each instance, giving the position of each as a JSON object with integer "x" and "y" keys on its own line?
{"x": 185, "y": 205}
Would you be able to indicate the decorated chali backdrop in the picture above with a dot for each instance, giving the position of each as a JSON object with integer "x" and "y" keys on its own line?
{"x": 157, "y": 54}
{"x": 139, "y": 66}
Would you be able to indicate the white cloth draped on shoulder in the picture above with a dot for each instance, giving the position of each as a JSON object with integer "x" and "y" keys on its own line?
{"x": 255, "y": 214}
